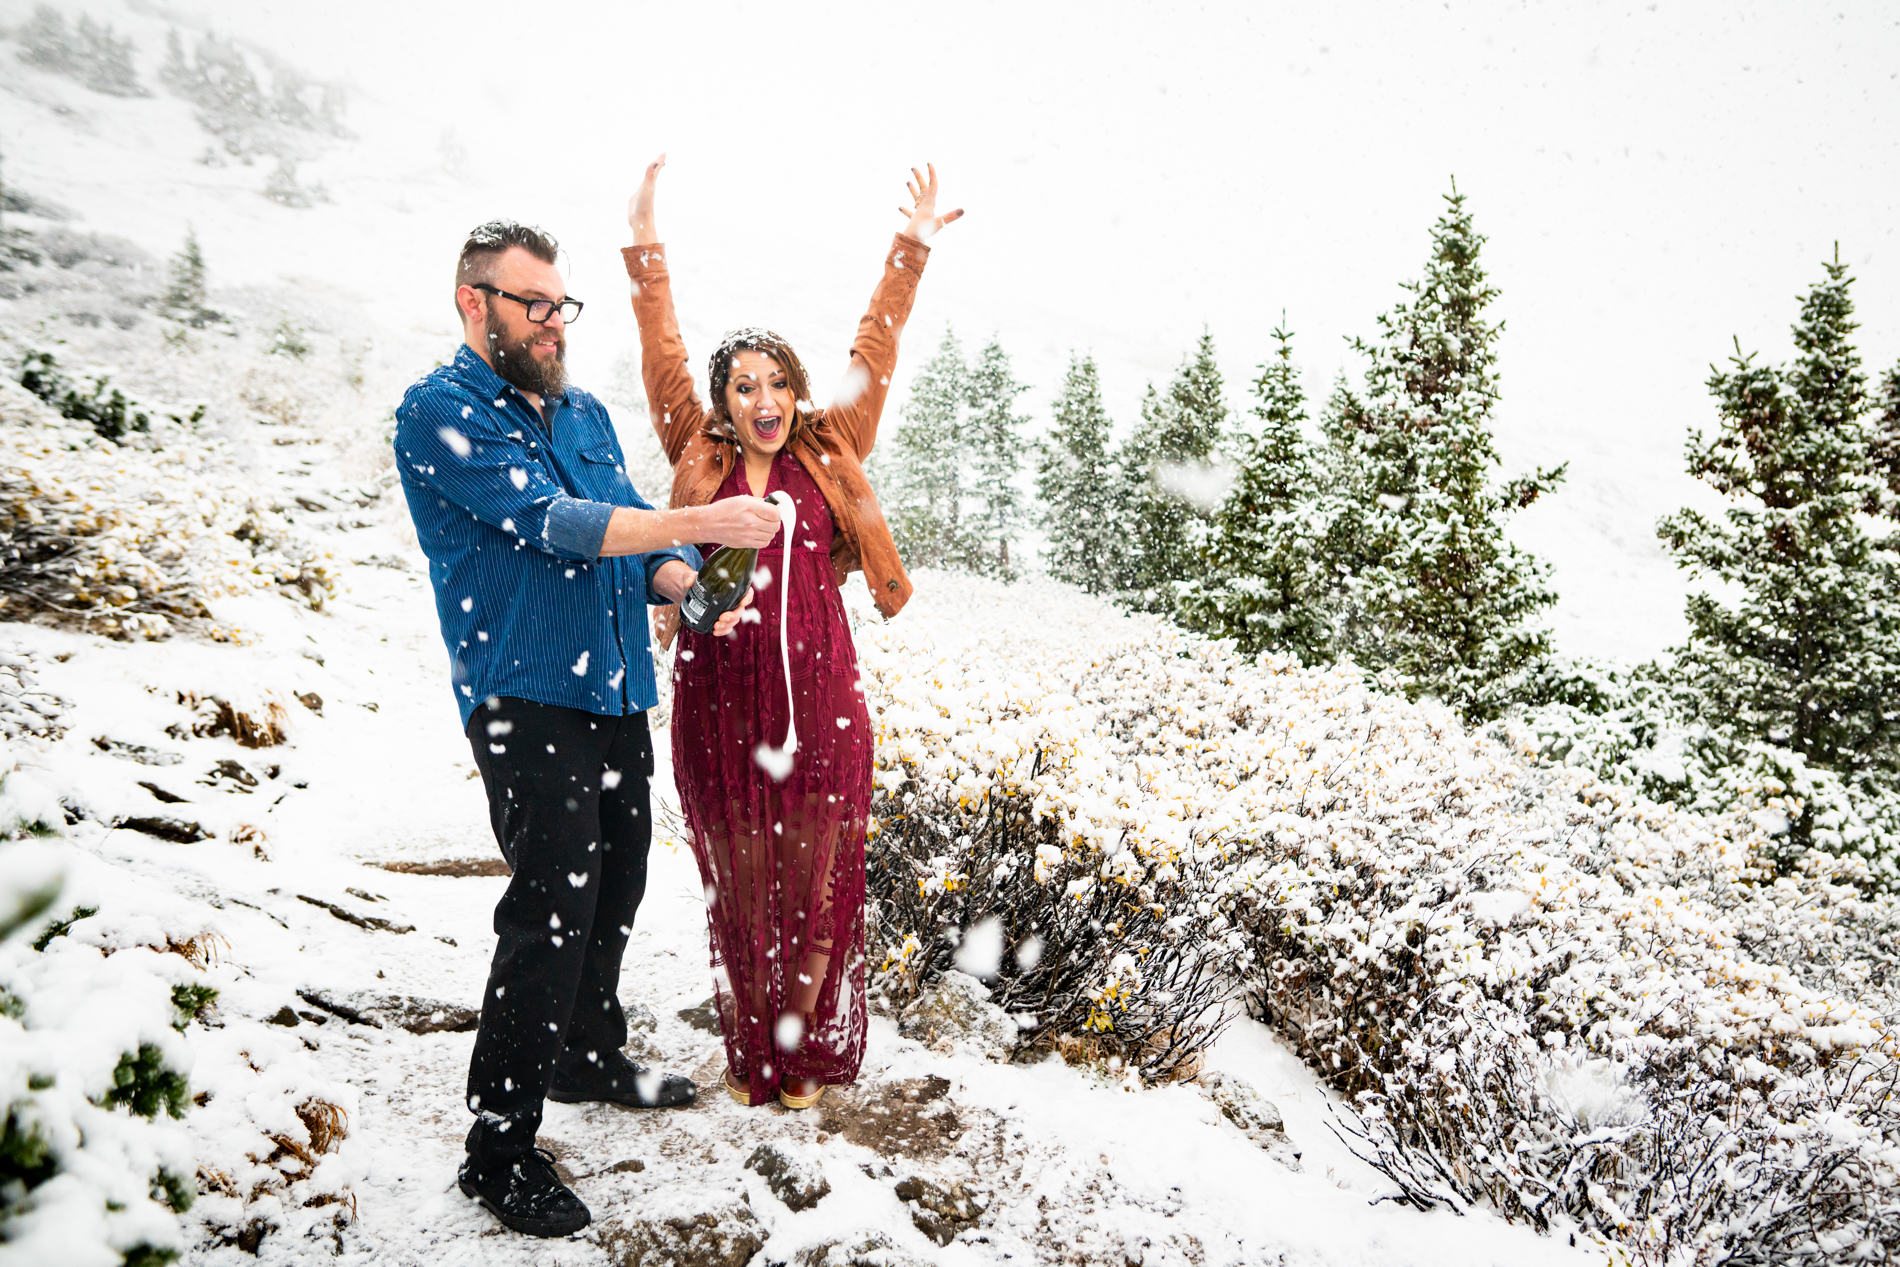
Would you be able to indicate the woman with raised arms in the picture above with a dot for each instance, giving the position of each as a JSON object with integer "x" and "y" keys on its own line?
{"x": 780, "y": 843}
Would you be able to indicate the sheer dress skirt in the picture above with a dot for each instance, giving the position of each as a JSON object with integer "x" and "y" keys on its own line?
{"x": 782, "y": 860}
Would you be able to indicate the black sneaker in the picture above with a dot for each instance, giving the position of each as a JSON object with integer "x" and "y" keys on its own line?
{"x": 614, "y": 1079}
{"x": 526, "y": 1195}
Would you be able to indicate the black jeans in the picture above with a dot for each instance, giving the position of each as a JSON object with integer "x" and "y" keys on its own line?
{"x": 568, "y": 794}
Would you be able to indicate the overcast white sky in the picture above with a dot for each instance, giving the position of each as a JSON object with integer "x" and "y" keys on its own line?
{"x": 1653, "y": 178}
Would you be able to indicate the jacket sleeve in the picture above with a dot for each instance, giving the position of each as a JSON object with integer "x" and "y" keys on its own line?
{"x": 672, "y": 399}
{"x": 475, "y": 456}
{"x": 859, "y": 403}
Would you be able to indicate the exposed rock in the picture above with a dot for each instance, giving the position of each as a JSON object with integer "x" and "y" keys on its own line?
{"x": 795, "y": 1176}
{"x": 862, "y": 1249}
{"x": 177, "y": 830}
{"x": 1255, "y": 1115}
{"x": 957, "y": 1010}
{"x": 941, "y": 1212}
{"x": 348, "y": 916}
{"x": 282, "y": 1016}
{"x": 394, "y": 1011}
{"x": 136, "y": 752}
{"x": 697, "y": 1226}
{"x": 908, "y": 1118}
{"x": 452, "y": 867}
{"x": 704, "y": 1016}
{"x": 232, "y": 771}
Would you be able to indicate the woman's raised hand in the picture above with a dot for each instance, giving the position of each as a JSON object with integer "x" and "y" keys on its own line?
{"x": 640, "y": 206}
{"x": 922, "y": 213}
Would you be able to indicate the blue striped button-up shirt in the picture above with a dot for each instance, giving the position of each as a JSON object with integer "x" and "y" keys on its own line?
{"x": 512, "y": 511}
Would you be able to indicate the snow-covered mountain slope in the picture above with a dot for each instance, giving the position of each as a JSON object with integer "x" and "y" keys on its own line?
{"x": 289, "y": 872}
{"x": 1652, "y": 183}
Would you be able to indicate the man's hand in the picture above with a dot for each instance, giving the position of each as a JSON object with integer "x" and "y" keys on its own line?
{"x": 746, "y": 522}
{"x": 640, "y": 206}
{"x": 922, "y": 214}
{"x": 673, "y": 580}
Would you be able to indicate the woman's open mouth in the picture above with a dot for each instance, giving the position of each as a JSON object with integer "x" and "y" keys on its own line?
{"x": 767, "y": 428}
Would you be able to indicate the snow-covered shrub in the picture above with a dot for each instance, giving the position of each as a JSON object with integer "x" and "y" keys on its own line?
{"x": 270, "y": 1138}
{"x": 1539, "y": 991}
{"x": 93, "y": 1066}
{"x": 111, "y": 415}
{"x": 1032, "y": 831}
{"x": 1637, "y": 728}
{"x": 125, "y": 539}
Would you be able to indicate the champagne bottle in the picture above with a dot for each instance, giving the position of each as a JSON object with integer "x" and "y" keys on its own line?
{"x": 721, "y": 584}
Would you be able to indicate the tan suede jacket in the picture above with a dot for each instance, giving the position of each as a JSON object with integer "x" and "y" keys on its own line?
{"x": 831, "y": 443}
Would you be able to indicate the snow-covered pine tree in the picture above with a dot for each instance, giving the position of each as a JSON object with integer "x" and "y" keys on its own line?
{"x": 105, "y": 61}
{"x": 1431, "y": 589}
{"x": 1262, "y": 583}
{"x": 1807, "y": 655}
{"x": 16, "y": 245}
{"x": 995, "y": 447}
{"x": 1076, "y": 485}
{"x": 1174, "y": 479}
{"x": 925, "y": 472}
{"x": 184, "y": 298}
{"x": 1884, "y": 442}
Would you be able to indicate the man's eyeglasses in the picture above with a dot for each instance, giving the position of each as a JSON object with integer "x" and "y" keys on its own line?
{"x": 539, "y": 310}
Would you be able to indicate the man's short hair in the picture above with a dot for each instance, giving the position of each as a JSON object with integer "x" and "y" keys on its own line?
{"x": 487, "y": 242}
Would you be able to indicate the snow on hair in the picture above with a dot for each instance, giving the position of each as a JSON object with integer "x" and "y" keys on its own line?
{"x": 755, "y": 339}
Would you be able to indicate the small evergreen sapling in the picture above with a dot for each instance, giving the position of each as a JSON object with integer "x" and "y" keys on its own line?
{"x": 1884, "y": 443}
{"x": 994, "y": 451}
{"x": 925, "y": 475}
{"x": 1076, "y": 487}
{"x": 1173, "y": 480}
{"x": 184, "y": 298}
{"x": 1262, "y": 583}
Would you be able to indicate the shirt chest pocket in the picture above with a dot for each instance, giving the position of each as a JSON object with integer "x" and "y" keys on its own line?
{"x": 600, "y": 474}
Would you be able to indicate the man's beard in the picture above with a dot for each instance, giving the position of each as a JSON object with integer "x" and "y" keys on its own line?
{"x": 516, "y": 363}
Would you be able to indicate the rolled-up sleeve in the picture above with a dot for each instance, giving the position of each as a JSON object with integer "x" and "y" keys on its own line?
{"x": 575, "y": 527}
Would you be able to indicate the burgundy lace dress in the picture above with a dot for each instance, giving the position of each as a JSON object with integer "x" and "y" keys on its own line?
{"x": 782, "y": 860}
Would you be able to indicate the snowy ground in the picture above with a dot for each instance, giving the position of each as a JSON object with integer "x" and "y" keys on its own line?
{"x": 1071, "y": 1166}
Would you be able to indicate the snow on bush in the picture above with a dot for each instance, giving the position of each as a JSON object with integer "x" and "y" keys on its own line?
{"x": 270, "y": 1138}
{"x": 109, "y": 1034}
{"x": 1538, "y": 991}
{"x": 1634, "y": 728}
{"x": 93, "y": 1170}
{"x": 1023, "y": 792}
{"x": 127, "y": 538}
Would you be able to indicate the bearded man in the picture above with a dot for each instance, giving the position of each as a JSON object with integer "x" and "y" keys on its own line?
{"x": 544, "y": 558}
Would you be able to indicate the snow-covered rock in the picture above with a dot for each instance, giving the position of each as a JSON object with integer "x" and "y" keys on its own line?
{"x": 794, "y": 1173}
{"x": 956, "y": 1011}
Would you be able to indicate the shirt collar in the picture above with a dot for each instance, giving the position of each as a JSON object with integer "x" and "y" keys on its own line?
{"x": 469, "y": 364}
